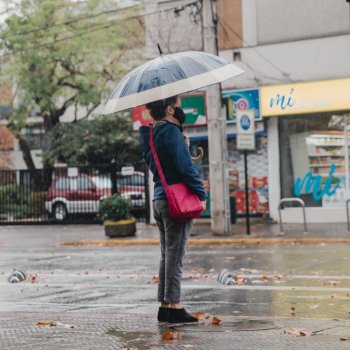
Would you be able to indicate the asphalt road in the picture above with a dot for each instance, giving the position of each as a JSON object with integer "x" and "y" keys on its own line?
{"x": 310, "y": 281}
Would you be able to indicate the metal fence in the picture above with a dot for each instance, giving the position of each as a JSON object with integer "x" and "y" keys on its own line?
{"x": 69, "y": 195}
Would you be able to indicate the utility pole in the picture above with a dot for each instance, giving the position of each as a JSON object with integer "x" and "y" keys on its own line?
{"x": 217, "y": 139}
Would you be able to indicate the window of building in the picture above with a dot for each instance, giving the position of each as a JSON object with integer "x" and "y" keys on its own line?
{"x": 313, "y": 156}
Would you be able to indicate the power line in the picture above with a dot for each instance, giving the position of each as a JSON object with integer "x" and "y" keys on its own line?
{"x": 88, "y": 17}
{"x": 97, "y": 28}
{"x": 35, "y": 30}
{"x": 254, "y": 49}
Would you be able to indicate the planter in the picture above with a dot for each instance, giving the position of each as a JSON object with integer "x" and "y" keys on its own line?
{"x": 121, "y": 228}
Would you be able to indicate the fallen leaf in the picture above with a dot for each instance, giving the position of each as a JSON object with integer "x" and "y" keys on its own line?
{"x": 292, "y": 310}
{"x": 240, "y": 280}
{"x": 170, "y": 335}
{"x": 155, "y": 279}
{"x": 277, "y": 276}
{"x": 345, "y": 338}
{"x": 208, "y": 277}
{"x": 265, "y": 277}
{"x": 305, "y": 333}
{"x": 216, "y": 320}
{"x": 46, "y": 324}
{"x": 195, "y": 276}
{"x": 206, "y": 316}
{"x": 198, "y": 315}
{"x": 298, "y": 332}
{"x": 32, "y": 278}
{"x": 334, "y": 283}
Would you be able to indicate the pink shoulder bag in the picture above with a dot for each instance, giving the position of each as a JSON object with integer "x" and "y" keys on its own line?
{"x": 183, "y": 204}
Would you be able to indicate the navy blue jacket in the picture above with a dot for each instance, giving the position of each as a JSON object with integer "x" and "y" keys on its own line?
{"x": 174, "y": 158}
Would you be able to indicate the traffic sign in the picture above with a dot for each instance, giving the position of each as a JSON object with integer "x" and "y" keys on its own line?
{"x": 245, "y": 130}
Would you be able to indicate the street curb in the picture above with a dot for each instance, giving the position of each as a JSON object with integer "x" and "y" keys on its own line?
{"x": 210, "y": 241}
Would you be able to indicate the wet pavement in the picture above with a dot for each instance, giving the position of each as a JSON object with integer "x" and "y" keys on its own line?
{"x": 108, "y": 294}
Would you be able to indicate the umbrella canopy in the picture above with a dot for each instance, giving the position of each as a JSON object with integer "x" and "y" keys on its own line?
{"x": 169, "y": 75}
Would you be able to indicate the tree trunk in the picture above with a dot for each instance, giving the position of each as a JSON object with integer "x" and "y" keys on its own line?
{"x": 28, "y": 159}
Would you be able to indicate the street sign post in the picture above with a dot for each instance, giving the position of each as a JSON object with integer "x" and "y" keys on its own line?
{"x": 246, "y": 142}
{"x": 245, "y": 130}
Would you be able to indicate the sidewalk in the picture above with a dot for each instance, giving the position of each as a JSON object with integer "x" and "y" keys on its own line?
{"x": 261, "y": 232}
{"x": 101, "y": 298}
{"x": 108, "y": 331}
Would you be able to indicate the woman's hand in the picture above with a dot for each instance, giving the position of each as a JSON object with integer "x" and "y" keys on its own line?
{"x": 187, "y": 139}
{"x": 204, "y": 204}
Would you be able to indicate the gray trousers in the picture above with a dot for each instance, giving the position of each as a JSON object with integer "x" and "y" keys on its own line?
{"x": 173, "y": 239}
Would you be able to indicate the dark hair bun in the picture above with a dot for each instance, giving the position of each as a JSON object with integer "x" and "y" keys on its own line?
{"x": 157, "y": 108}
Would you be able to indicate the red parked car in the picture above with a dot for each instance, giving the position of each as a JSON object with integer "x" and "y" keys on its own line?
{"x": 82, "y": 194}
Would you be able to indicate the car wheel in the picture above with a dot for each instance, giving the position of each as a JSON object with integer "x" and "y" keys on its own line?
{"x": 60, "y": 212}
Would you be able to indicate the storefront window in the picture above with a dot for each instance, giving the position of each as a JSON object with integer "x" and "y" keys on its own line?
{"x": 313, "y": 157}
{"x": 257, "y": 175}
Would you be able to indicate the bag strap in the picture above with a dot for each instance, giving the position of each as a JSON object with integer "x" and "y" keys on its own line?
{"x": 156, "y": 159}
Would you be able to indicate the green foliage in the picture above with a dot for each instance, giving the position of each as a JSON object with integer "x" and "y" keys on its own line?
{"x": 95, "y": 142}
{"x": 115, "y": 208}
{"x": 14, "y": 200}
{"x": 37, "y": 201}
{"x": 64, "y": 54}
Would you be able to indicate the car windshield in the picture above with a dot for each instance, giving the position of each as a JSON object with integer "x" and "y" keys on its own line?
{"x": 102, "y": 182}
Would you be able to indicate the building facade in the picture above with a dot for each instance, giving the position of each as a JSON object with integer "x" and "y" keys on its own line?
{"x": 297, "y": 46}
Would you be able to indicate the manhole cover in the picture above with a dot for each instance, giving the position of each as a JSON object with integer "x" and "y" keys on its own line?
{"x": 231, "y": 326}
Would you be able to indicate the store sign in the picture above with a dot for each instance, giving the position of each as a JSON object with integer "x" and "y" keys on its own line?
{"x": 194, "y": 107}
{"x": 245, "y": 130}
{"x": 313, "y": 184}
{"x": 192, "y": 104}
{"x": 322, "y": 96}
{"x": 241, "y": 101}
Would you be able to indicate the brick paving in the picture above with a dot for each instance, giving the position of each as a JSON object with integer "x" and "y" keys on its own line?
{"x": 109, "y": 331}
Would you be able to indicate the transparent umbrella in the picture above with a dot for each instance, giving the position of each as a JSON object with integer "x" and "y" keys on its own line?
{"x": 169, "y": 75}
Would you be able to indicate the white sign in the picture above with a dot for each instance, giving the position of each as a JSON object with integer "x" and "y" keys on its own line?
{"x": 73, "y": 172}
{"x": 245, "y": 130}
{"x": 127, "y": 170}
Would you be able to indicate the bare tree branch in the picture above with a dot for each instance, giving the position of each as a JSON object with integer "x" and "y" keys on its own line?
{"x": 90, "y": 110}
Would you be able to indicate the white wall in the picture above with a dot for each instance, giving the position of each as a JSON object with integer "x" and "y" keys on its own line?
{"x": 297, "y": 61}
{"x": 285, "y": 20}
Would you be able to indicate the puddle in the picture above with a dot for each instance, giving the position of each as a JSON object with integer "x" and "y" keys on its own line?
{"x": 139, "y": 340}
{"x": 231, "y": 326}
{"x": 146, "y": 339}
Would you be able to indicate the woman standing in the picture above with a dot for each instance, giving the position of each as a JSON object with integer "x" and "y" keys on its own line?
{"x": 172, "y": 149}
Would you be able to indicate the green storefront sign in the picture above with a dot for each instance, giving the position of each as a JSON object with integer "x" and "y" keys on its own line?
{"x": 194, "y": 107}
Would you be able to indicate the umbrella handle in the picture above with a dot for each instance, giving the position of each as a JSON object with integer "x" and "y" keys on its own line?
{"x": 200, "y": 154}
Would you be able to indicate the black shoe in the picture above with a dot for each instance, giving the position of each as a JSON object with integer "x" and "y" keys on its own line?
{"x": 180, "y": 316}
{"x": 163, "y": 314}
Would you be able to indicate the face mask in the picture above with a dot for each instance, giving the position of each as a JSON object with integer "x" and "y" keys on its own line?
{"x": 180, "y": 115}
